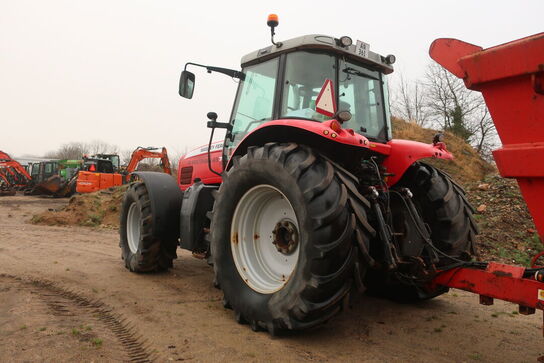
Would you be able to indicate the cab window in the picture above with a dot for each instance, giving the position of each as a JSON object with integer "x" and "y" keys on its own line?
{"x": 303, "y": 83}
{"x": 255, "y": 99}
{"x": 360, "y": 92}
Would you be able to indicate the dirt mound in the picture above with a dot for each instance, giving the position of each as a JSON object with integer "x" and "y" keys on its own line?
{"x": 467, "y": 166}
{"x": 507, "y": 231}
{"x": 94, "y": 209}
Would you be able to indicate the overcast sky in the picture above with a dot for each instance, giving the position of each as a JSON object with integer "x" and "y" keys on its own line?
{"x": 109, "y": 70}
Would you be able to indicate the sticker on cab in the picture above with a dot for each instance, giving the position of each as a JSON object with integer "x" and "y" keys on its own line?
{"x": 362, "y": 48}
{"x": 540, "y": 294}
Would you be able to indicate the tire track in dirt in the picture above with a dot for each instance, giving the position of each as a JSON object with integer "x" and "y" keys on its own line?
{"x": 59, "y": 300}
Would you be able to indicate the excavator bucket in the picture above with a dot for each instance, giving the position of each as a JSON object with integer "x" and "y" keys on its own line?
{"x": 511, "y": 79}
{"x": 49, "y": 187}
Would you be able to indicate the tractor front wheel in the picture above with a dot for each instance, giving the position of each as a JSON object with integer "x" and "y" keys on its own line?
{"x": 139, "y": 249}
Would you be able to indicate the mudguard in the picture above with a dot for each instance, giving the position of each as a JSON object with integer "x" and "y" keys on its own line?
{"x": 318, "y": 135}
{"x": 398, "y": 154}
{"x": 165, "y": 197}
{"x": 197, "y": 201}
{"x": 404, "y": 153}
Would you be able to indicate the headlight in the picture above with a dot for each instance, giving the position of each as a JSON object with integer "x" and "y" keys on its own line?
{"x": 346, "y": 41}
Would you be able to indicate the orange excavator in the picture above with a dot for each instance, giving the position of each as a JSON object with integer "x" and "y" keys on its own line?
{"x": 13, "y": 175}
{"x": 100, "y": 172}
{"x": 142, "y": 153}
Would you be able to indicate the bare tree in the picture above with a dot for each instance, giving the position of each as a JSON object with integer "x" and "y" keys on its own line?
{"x": 409, "y": 102}
{"x": 125, "y": 156}
{"x": 451, "y": 104}
{"x": 101, "y": 147}
{"x": 484, "y": 135}
{"x": 442, "y": 101}
{"x": 75, "y": 150}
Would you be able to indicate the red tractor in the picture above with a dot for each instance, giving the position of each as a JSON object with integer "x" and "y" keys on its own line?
{"x": 308, "y": 198}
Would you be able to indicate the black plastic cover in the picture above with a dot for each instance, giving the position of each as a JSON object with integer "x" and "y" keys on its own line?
{"x": 165, "y": 197}
{"x": 197, "y": 202}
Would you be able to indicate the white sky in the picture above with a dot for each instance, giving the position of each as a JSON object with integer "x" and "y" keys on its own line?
{"x": 109, "y": 70}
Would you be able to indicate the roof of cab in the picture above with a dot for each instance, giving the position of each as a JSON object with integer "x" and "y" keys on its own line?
{"x": 316, "y": 42}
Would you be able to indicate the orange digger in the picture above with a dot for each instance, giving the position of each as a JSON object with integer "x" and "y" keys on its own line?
{"x": 103, "y": 171}
{"x": 13, "y": 175}
{"x": 142, "y": 153}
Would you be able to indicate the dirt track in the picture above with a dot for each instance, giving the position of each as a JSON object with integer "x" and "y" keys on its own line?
{"x": 66, "y": 296}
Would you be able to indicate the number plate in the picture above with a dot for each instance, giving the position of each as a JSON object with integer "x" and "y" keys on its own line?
{"x": 362, "y": 48}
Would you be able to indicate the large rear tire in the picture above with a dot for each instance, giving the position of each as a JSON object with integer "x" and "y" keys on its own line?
{"x": 284, "y": 231}
{"x": 139, "y": 249}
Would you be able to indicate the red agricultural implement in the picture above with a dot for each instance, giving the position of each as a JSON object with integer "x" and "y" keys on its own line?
{"x": 511, "y": 79}
{"x": 309, "y": 198}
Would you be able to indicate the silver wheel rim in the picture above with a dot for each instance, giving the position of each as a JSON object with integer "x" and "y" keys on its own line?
{"x": 133, "y": 227}
{"x": 264, "y": 239}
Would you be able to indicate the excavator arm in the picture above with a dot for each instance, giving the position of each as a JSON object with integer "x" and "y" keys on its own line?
{"x": 12, "y": 174}
{"x": 8, "y": 163}
{"x": 144, "y": 153}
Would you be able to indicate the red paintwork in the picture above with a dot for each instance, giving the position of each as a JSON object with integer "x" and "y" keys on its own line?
{"x": 344, "y": 136}
{"x": 498, "y": 281}
{"x": 404, "y": 153}
{"x": 400, "y": 154}
{"x": 511, "y": 79}
{"x": 198, "y": 160}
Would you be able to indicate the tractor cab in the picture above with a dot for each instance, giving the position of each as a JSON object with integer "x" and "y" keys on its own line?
{"x": 312, "y": 78}
{"x": 287, "y": 82}
{"x": 43, "y": 170}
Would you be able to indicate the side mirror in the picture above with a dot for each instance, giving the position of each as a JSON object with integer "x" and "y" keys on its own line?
{"x": 186, "y": 84}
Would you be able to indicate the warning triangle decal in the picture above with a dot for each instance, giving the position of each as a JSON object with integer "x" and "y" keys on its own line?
{"x": 326, "y": 103}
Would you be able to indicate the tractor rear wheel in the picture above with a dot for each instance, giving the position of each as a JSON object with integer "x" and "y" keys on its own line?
{"x": 139, "y": 249}
{"x": 284, "y": 231}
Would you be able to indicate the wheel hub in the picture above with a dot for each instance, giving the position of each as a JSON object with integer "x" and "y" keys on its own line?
{"x": 133, "y": 227}
{"x": 285, "y": 237}
{"x": 265, "y": 239}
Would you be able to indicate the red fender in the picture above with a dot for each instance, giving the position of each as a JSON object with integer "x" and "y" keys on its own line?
{"x": 404, "y": 153}
{"x": 400, "y": 154}
{"x": 329, "y": 130}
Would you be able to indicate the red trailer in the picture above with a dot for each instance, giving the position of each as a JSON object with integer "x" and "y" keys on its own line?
{"x": 511, "y": 79}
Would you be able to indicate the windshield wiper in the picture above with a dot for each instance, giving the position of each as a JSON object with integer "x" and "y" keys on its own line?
{"x": 356, "y": 72}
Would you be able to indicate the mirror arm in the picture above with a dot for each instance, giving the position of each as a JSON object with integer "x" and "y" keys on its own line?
{"x": 219, "y": 125}
{"x": 227, "y": 71}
